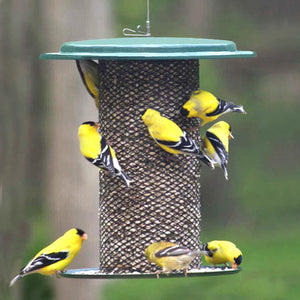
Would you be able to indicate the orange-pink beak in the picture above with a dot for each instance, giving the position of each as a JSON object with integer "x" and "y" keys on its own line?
{"x": 84, "y": 236}
{"x": 231, "y": 136}
{"x": 234, "y": 265}
{"x": 97, "y": 124}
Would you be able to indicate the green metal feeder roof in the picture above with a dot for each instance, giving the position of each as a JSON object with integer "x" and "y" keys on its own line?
{"x": 139, "y": 48}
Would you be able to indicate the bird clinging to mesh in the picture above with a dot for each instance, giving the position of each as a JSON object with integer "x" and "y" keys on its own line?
{"x": 207, "y": 107}
{"x": 171, "y": 138}
{"x": 96, "y": 150}
{"x": 216, "y": 144}
{"x": 88, "y": 70}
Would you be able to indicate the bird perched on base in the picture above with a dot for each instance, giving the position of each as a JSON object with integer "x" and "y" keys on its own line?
{"x": 55, "y": 257}
{"x": 170, "y": 256}
{"x": 222, "y": 252}
{"x": 88, "y": 70}
{"x": 171, "y": 138}
{"x": 207, "y": 107}
{"x": 96, "y": 150}
{"x": 215, "y": 144}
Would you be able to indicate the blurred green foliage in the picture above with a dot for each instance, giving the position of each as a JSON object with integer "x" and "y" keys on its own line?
{"x": 37, "y": 286}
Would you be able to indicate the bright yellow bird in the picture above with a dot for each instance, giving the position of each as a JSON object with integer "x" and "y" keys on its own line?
{"x": 207, "y": 107}
{"x": 216, "y": 142}
{"x": 96, "y": 150}
{"x": 171, "y": 138}
{"x": 88, "y": 70}
{"x": 170, "y": 256}
{"x": 55, "y": 257}
{"x": 222, "y": 252}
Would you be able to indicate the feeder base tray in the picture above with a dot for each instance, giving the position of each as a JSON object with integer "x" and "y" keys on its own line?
{"x": 94, "y": 273}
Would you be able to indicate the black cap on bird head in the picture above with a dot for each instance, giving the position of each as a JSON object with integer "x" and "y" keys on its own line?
{"x": 91, "y": 123}
{"x": 80, "y": 232}
{"x": 238, "y": 260}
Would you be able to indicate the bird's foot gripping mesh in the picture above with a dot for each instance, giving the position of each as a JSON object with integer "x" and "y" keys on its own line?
{"x": 163, "y": 201}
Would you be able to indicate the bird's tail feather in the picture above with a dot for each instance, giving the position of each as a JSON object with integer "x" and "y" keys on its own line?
{"x": 204, "y": 250}
{"x": 224, "y": 167}
{"x": 125, "y": 178}
{"x": 225, "y": 107}
{"x": 229, "y": 106}
{"x": 195, "y": 253}
{"x": 15, "y": 279}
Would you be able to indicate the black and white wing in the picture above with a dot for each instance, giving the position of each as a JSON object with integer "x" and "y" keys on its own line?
{"x": 173, "y": 251}
{"x": 218, "y": 146}
{"x": 185, "y": 145}
{"x": 44, "y": 260}
{"x": 220, "y": 151}
{"x": 224, "y": 107}
{"x": 188, "y": 146}
{"x": 104, "y": 159}
{"x": 39, "y": 262}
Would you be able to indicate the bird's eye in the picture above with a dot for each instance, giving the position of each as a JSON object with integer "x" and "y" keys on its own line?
{"x": 184, "y": 112}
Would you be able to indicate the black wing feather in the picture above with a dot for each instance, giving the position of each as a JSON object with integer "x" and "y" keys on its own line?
{"x": 224, "y": 107}
{"x": 104, "y": 160}
{"x": 173, "y": 251}
{"x": 185, "y": 144}
{"x": 45, "y": 260}
{"x": 218, "y": 146}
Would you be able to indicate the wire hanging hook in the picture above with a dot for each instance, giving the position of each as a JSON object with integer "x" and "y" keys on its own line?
{"x": 138, "y": 31}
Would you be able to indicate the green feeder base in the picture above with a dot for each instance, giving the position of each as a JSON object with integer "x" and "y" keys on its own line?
{"x": 94, "y": 273}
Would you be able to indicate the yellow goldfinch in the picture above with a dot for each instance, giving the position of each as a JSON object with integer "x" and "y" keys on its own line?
{"x": 170, "y": 256}
{"x": 215, "y": 144}
{"x": 56, "y": 256}
{"x": 171, "y": 138}
{"x": 96, "y": 150}
{"x": 88, "y": 70}
{"x": 207, "y": 107}
{"x": 222, "y": 252}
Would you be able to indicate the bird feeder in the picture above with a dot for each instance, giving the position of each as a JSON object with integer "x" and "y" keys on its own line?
{"x": 163, "y": 201}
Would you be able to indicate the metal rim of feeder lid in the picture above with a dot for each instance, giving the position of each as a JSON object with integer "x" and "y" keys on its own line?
{"x": 94, "y": 273}
{"x": 144, "y": 48}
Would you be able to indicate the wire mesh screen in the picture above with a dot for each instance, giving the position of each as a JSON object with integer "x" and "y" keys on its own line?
{"x": 163, "y": 201}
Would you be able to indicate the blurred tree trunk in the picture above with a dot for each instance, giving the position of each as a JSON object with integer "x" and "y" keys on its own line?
{"x": 22, "y": 139}
{"x": 73, "y": 182}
